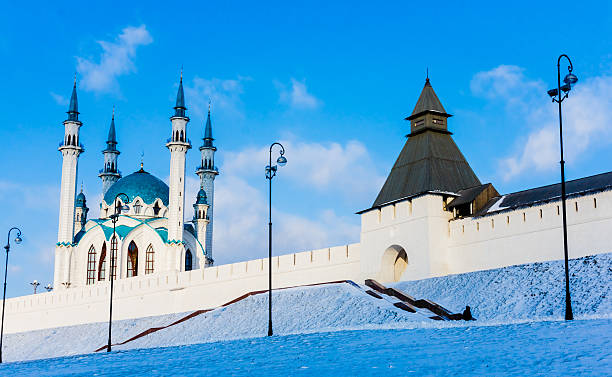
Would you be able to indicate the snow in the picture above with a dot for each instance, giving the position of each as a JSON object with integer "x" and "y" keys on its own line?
{"x": 497, "y": 205}
{"x": 540, "y": 348}
{"x": 508, "y": 301}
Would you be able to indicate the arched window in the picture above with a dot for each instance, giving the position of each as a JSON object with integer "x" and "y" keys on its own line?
{"x": 176, "y": 136}
{"x": 102, "y": 265}
{"x": 137, "y": 207}
{"x": 188, "y": 261}
{"x": 182, "y": 136}
{"x": 91, "y": 265}
{"x": 150, "y": 260}
{"x": 69, "y": 140}
{"x": 114, "y": 258}
{"x": 156, "y": 209}
{"x": 132, "y": 260}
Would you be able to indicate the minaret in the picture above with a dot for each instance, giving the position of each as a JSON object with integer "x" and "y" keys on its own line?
{"x": 207, "y": 173}
{"x": 70, "y": 150}
{"x": 110, "y": 173}
{"x": 80, "y": 212}
{"x": 200, "y": 221}
{"x": 178, "y": 144}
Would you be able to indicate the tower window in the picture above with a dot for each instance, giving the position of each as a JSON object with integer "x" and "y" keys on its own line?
{"x": 188, "y": 261}
{"x": 576, "y": 204}
{"x": 594, "y": 202}
{"x": 149, "y": 260}
{"x": 156, "y": 209}
{"x": 91, "y": 265}
{"x": 132, "y": 260}
{"x": 540, "y": 213}
{"x": 102, "y": 265}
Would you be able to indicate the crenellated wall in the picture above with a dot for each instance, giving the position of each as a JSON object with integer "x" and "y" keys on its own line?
{"x": 532, "y": 234}
{"x": 177, "y": 292}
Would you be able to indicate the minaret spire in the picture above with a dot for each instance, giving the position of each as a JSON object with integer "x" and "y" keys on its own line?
{"x": 179, "y": 108}
{"x": 110, "y": 172}
{"x": 207, "y": 173}
{"x": 73, "y": 109}
{"x": 178, "y": 144}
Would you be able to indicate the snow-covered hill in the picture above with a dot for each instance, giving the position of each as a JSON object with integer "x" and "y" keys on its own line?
{"x": 526, "y": 292}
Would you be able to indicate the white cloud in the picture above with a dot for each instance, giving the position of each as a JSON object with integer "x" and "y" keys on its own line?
{"x": 116, "y": 59}
{"x": 586, "y": 117}
{"x": 223, "y": 93}
{"x": 59, "y": 99}
{"x": 322, "y": 166}
{"x": 240, "y": 217}
{"x": 38, "y": 197}
{"x": 297, "y": 96}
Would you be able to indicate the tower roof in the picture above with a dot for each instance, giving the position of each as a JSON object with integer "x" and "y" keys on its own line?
{"x": 179, "y": 108}
{"x": 201, "y": 198}
{"x": 428, "y": 102}
{"x": 430, "y": 160}
{"x": 73, "y": 109}
{"x": 208, "y": 138}
{"x": 111, "y": 141}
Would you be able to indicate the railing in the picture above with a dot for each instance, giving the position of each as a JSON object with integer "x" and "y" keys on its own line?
{"x": 168, "y": 140}
{"x": 62, "y": 144}
{"x": 109, "y": 171}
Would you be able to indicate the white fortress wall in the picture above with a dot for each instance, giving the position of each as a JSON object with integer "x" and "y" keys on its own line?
{"x": 176, "y": 292}
{"x": 531, "y": 234}
{"x": 418, "y": 225}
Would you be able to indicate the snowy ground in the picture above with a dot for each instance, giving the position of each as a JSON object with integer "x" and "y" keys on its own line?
{"x": 520, "y": 303}
{"x": 539, "y": 348}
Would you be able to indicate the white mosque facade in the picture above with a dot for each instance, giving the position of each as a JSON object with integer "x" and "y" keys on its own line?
{"x": 432, "y": 217}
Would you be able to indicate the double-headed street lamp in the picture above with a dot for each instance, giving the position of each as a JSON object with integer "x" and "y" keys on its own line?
{"x": 270, "y": 173}
{"x": 113, "y": 254}
{"x": 8, "y": 248}
{"x": 558, "y": 94}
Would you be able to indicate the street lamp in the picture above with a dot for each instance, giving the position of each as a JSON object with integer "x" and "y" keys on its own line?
{"x": 35, "y": 284}
{"x": 49, "y": 287}
{"x": 113, "y": 255}
{"x": 7, "y": 247}
{"x": 558, "y": 94}
{"x": 270, "y": 173}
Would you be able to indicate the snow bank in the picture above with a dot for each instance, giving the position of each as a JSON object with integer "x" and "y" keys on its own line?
{"x": 511, "y": 294}
{"x": 524, "y": 292}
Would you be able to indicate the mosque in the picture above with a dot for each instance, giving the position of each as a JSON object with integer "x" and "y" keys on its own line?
{"x": 432, "y": 217}
{"x": 141, "y": 218}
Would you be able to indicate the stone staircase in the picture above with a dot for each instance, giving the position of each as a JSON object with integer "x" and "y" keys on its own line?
{"x": 408, "y": 303}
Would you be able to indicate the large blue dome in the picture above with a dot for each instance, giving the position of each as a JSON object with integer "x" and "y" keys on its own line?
{"x": 140, "y": 184}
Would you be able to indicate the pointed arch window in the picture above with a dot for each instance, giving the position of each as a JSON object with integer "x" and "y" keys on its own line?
{"x": 188, "y": 261}
{"x": 91, "y": 265}
{"x": 137, "y": 207}
{"x": 150, "y": 260}
{"x": 113, "y": 258}
{"x": 156, "y": 208}
{"x": 132, "y": 260}
{"x": 102, "y": 264}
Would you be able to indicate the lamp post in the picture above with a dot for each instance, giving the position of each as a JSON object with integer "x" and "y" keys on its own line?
{"x": 7, "y": 247}
{"x": 35, "y": 284}
{"x": 270, "y": 173}
{"x": 49, "y": 287}
{"x": 558, "y": 94}
{"x": 113, "y": 255}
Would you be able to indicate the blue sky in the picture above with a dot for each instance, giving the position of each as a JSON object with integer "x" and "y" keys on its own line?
{"x": 333, "y": 82}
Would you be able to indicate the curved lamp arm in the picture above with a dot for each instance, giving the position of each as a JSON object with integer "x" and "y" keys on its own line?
{"x": 570, "y": 67}
{"x": 8, "y": 239}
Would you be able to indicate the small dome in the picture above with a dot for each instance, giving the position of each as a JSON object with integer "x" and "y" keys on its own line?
{"x": 201, "y": 198}
{"x": 80, "y": 200}
{"x": 142, "y": 184}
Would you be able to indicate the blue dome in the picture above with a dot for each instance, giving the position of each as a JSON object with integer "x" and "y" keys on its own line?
{"x": 140, "y": 184}
{"x": 80, "y": 200}
{"x": 201, "y": 198}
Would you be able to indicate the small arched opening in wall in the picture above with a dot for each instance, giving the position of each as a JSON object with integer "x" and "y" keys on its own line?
{"x": 393, "y": 264}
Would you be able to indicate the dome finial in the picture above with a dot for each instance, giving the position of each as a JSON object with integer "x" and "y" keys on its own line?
{"x": 81, "y": 186}
{"x": 142, "y": 160}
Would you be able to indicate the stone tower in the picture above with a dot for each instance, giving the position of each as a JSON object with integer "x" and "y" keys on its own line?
{"x": 207, "y": 172}
{"x": 110, "y": 172}
{"x": 178, "y": 144}
{"x": 80, "y": 212}
{"x": 200, "y": 222}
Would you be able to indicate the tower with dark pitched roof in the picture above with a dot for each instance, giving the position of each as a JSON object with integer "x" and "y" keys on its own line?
{"x": 430, "y": 160}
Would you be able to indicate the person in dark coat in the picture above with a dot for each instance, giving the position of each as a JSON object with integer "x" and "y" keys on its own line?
{"x": 467, "y": 314}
